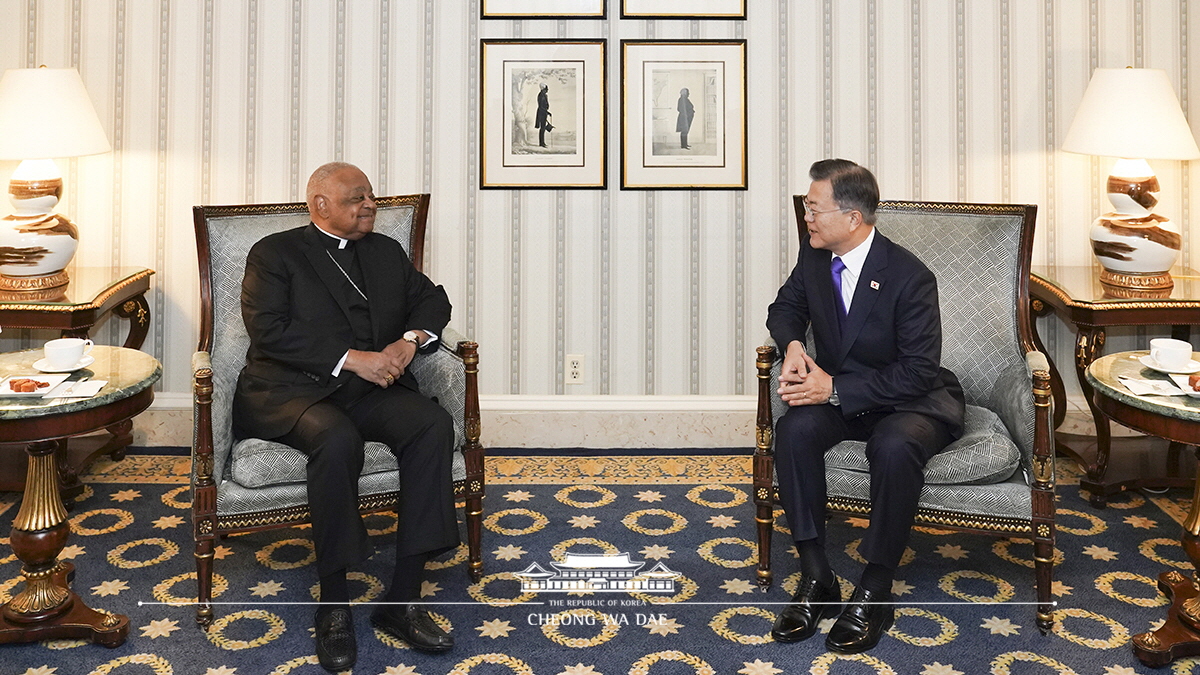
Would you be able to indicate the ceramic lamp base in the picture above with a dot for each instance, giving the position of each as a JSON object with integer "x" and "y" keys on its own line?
{"x": 34, "y": 285}
{"x": 1118, "y": 282}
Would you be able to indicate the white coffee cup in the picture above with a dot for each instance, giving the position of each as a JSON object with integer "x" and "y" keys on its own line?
{"x": 1170, "y": 353}
{"x": 66, "y": 352}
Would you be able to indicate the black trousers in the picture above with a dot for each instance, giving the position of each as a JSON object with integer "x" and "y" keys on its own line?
{"x": 898, "y": 447}
{"x": 418, "y": 431}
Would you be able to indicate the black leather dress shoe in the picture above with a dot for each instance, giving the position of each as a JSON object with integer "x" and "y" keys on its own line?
{"x": 412, "y": 624}
{"x": 866, "y": 618}
{"x": 336, "y": 649}
{"x": 811, "y": 603}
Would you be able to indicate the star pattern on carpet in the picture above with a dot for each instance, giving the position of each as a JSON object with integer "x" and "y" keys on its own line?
{"x": 723, "y": 521}
{"x": 1100, "y": 552}
{"x": 1141, "y": 522}
{"x": 659, "y": 626}
{"x": 111, "y": 587}
{"x": 71, "y": 552}
{"x": 256, "y": 632}
{"x": 266, "y": 588}
{"x": 738, "y": 586}
{"x": 579, "y": 669}
{"x": 168, "y": 522}
{"x": 159, "y": 628}
{"x": 495, "y": 628}
{"x": 583, "y": 522}
{"x": 861, "y": 523}
{"x": 951, "y": 551}
{"x": 509, "y": 552}
{"x": 998, "y": 626}
{"x": 656, "y": 552}
{"x": 759, "y": 668}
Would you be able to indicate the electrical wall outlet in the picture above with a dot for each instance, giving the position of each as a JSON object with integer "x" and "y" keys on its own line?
{"x": 573, "y": 369}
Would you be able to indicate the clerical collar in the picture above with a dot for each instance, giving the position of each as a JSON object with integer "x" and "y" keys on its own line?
{"x": 342, "y": 241}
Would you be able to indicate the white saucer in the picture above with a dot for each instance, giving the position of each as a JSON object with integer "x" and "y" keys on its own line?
{"x": 86, "y": 361}
{"x": 1191, "y": 367}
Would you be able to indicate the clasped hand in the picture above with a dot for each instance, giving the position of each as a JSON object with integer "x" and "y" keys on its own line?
{"x": 802, "y": 382}
{"x": 382, "y": 368}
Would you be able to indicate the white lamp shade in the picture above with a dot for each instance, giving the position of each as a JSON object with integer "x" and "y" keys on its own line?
{"x": 1131, "y": 112}
{"x": 46, "y": 113}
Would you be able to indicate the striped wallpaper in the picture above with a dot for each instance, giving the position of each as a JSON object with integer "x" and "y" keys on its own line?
{"x": 664, "y": 293}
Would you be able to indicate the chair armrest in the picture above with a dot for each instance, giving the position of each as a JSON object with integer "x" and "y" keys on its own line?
{"x": 1043, "y": 444}
{"x": 449, "y": 375}
{"x": 450, "y": 338}
{"x": 204, "y": 491}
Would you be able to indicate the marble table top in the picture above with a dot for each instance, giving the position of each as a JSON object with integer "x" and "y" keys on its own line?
{"x": 1103, "y": 374}
{"x": 128, "y": 372}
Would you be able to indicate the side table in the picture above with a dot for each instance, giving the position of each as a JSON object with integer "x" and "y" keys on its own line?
{"x": 91, "y": 294}
{"x": 46, "y": 608}
{"x": 1075, "y": 294}
{"x": 1176, "y": 418}
{"x": 73, "y": 309}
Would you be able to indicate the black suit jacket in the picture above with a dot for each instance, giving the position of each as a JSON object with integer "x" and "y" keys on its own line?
{"x": 890, "y": 355}
{"x": 298, "y": 320}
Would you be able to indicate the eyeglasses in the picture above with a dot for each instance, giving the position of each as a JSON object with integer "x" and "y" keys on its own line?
{"x": 808, "y": 207}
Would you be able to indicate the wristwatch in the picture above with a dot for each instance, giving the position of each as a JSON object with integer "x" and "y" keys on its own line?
{"x": 411, "y": 336}
{"x": 833, "y": 398}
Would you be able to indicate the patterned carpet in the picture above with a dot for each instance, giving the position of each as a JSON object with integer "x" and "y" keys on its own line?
{"x": 962, "y": 595}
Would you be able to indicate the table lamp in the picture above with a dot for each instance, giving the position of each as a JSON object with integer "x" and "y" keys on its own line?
{"x": 1132, "y": 114}
{"x": 44, "y": 113}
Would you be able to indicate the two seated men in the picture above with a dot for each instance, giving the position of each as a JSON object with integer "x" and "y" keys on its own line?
{"x": 336, "y": 313}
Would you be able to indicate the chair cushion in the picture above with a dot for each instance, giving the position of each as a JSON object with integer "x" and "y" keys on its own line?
{"x": 258, "y": 463}
{"x": 984, "y": 455}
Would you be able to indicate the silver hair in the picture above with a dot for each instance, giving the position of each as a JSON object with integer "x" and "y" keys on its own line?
{"x": 316, "y": 182}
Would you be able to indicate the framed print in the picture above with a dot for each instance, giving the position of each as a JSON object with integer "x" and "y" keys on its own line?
{"x": 683, "y": 9}
{"x": 543, "y": 114}
{"x": 683, "y": 114}
{"x": 529, "y": 9}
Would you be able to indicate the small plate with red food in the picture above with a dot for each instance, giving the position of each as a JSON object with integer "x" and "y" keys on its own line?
{"x": 1188, "y": 383}
{"x": 31, "y": 385}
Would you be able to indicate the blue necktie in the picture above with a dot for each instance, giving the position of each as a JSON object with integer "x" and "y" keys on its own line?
{"x": 836, "y": 266}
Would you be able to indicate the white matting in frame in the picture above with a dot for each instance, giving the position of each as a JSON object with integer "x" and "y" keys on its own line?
{"x": 534, "y": 8}
{"x": 544, "y": 114}
{"x": 683, "y": 114}
{"x": 683, "y": 9}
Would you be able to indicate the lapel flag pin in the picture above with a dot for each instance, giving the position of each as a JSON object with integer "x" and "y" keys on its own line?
{"x": 874, "y": 285}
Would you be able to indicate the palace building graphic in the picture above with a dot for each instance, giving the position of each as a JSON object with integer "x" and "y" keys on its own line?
{"x": 598, "y": 572}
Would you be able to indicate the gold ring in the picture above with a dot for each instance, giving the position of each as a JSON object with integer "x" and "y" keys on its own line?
{"x": 389, "y": 379}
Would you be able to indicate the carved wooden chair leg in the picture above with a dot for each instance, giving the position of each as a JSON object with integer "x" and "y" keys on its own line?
{"x": 204, "y": 573}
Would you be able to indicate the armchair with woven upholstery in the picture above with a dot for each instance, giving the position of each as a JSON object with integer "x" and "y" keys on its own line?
{"x": 252, "y": 484}
{"x": 998, "y": 479}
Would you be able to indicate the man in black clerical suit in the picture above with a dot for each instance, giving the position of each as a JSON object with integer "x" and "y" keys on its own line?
{"x": 873, "y": 310}
{"x": 335, "y": 314}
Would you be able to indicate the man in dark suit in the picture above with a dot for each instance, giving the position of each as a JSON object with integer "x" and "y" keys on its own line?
{"x": 873, "y": 310}
{"x": 541, "y": 121}
{"x": 335, "y": 314}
